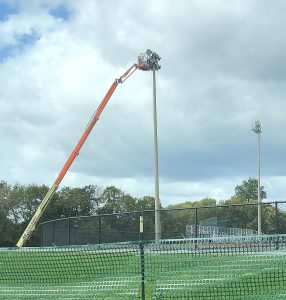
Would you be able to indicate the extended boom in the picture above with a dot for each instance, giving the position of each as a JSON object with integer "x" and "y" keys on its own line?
{"x": 144, "y": 64}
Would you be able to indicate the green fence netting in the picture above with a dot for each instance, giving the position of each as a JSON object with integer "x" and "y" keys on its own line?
{"x": 251, "y": 267}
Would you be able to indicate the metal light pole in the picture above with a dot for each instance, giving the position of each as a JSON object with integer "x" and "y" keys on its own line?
{"x": 150, "y": 61}
{"x": 258, "y": 129}
{"x": 156, "y": 172}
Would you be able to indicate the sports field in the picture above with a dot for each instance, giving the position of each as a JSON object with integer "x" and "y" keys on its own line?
{"x": 178, "y": 269}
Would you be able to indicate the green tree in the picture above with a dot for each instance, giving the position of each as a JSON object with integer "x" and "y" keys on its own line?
{"x": 74, "y": 202}
{"x": 94, "y": 194}
{"x": 24, "y": 201}
{"x": 6, "y": 225}
{"x": 242, "y": 215}
{"x": 146, "y": 203}
{"x": 237, "y": 215}
{"x": 198, "y": 203}
{"x": 175, "y": 221}
{"x": 110, "y": 199}
{"x": 248, "y": 191}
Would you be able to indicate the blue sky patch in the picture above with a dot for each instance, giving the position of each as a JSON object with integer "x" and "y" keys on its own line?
{"x": 27, "y": 38}
{"x": 7, "y": 9}
{"x": 6, "y": 52}
{"x": 22, "y": 42}
{"x": 60, "y": 12}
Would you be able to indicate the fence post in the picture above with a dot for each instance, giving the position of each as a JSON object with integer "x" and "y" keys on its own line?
{"x": 276, "y": 218}
{"x": 41, "y": 234}
{"x": 99, "y": 229}
{"x": 276, "y": 225}
{"x": 142, "y": 258}
{"x": 69, "y": 231}
{"x": 196, "y": 222}
{"x": 53, "y": 244}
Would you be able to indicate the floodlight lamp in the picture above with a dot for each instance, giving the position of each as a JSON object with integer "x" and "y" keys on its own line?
{"x": 257, "y": 127}
{"x": 148, "y": 61}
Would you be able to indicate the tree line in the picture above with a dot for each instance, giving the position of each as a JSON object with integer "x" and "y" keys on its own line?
{"x": 18, "y": 203}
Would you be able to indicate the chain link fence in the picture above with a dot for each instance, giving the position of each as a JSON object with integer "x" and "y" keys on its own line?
{"x": 179, "y": 223}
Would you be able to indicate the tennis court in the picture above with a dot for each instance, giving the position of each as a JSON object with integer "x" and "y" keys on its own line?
{"x": 218, "y": 268}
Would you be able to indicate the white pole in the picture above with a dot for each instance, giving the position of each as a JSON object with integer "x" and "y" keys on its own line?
{"x": 258, "y": 187}
{"x": 258, "y": 129}
{"x": 156, "y": 172}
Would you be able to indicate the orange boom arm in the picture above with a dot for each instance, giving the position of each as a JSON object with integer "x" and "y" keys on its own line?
{"x": 41, "y": 208}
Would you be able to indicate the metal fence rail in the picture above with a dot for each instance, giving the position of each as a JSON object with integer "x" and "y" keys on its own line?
{"x": 221, "y": 220}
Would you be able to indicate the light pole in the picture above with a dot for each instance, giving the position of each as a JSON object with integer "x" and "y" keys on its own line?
{"x": 258, "y": 129}
{"x": 156, "y": 171}
{"x": 150, "y": 61}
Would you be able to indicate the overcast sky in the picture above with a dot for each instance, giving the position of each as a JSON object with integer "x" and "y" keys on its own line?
{"x": 223, "y": 67}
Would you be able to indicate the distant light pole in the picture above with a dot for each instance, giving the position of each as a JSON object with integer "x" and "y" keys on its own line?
{"x": 150, "y": 61}
{"x": 258, "y": 130}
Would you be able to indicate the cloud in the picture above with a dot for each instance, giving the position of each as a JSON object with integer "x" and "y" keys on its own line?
{"x": 222, "y": 68}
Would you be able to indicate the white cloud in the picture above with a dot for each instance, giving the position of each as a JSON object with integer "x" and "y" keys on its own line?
{"x": 218, "y": 76}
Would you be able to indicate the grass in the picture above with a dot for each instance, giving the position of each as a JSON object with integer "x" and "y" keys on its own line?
{"x": 79, "y": 273}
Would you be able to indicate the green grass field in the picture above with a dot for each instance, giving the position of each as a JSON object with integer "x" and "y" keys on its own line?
{"x": 113, "y": 272}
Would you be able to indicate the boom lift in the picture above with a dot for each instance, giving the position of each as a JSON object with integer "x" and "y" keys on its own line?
{"x": 146, "y": 61}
